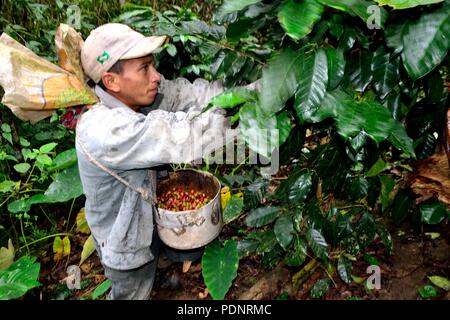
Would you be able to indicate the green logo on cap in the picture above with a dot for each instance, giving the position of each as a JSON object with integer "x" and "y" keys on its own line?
{"x": 103, "y": 57}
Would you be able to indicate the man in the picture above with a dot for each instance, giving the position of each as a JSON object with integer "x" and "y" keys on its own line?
{"x": 116, "y": 143}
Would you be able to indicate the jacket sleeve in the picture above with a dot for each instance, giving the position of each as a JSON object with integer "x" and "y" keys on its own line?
{"x": 182, "y": 95}
{"x": 139, "y": 141}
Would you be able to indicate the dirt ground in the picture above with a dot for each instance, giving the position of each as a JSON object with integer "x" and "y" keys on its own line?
{"x": 415, "y": 256}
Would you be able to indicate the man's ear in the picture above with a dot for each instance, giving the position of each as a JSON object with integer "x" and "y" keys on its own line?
{"x": 110, "y": 81}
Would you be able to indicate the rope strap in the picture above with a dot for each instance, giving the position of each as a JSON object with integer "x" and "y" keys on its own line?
{"x": 145, "y": 193}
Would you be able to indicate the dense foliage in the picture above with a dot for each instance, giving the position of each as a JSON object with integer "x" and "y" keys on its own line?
{"x": 354, "y": 89}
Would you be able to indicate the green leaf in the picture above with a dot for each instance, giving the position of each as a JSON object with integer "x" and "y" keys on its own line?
{"x": 65, "y": 186}
{"x": 405, "y": 4}
{"x": 332, "y": 103}
{"x": 171, "y": 50}
{"x": 8, "y": 137}
{"x": 22, "y": 167}
{"x": 267, "y": 242}
{"x": 271, "y": 258}
{"x": 335, "y": 25}
{"x": 385, "y": 237}
{"x": 297, "y": 255}
{"x": 371, "y": 260}
{"x": 255, "y": 193}
{"x": 358, "y": 70}
{"x": 392, "y": 102}
{"x": 320, "y": 288}
{"x": 46, "y": 148}
{"x": 233, "y": 209}
{"x": 126, "y": 16}
{"x": 101, "y": 289}
{"x": 387, "y": 185}
{"x": 393, "y": 35}
{"x": 298, "y": 19}
{"x": 243, "y": 28}
{"x": 258, "y": 129}
{"x": 352, "y": 117}
{"x": 284, "y": 230}
{"x": 7, "y": 186}
{"x": 219, "y": 267}
{"x": 24, "y": 142}
{"x": 24, "y": 205}
{"x": 6, "y": 128}
{"x": 283, "y": 126}
{"x": 280, "y": 80}
{"x": 426, "y": 42}
{"x": 232, "y": 98}
{"x": 299, "y": 188}
{"x": 312, "y": 84}
{"x": 28, "y": 154}
{"x": 433, "y": 213}
{"x": 44, "y": 159}
{"x": 374, "y": 119}
{"x": 230, "y": 6}
{"x": 434, "y": 86}
{"x": 63, "y": 160}
{"x": 365, "y": 230}
{"x": 317, "y": 243}
{"x": 336, "y": 67}
{"x": 296, "y": 188}
{"x": 351, "y": 245}
{"x": 348, "y": 39}
{"x": 232, "y": 65}
{"x": 385, "y": 73}
{"x": 358, "y": 280}
{"x": 344, "y": 268}
{"x": 246, "y": 247}
{"x": 262, "y": 216}
{"x": 427, "y": 292}
{"x": 440, "y": 282}
{"x": 360, "y": 8}
{"x": 401, "y": 207}
{"x": 88, "y": 249}
{"x": 377, "y": 168}
{"x": 20, "y": 277}
{"x": 357, "y": 187}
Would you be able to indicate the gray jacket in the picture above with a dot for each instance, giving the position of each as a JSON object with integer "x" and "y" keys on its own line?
{"x": 129, "y": 143}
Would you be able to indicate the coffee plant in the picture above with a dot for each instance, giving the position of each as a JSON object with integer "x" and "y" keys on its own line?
{"x": 355, "y": 91}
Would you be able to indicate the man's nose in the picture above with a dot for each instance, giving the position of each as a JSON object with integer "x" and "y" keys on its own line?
{"x": 155, "y": 76}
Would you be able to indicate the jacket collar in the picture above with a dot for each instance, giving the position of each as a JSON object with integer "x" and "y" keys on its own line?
{"x": 109, "y": 100}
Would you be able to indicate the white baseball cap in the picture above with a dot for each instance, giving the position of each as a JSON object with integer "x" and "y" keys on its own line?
{"x": 112, "y": 42}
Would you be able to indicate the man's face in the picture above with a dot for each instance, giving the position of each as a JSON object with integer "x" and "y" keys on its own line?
{"x": 137, "y": 84}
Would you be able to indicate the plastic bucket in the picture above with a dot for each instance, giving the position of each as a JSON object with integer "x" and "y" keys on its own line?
{"x": 190, "y": 229}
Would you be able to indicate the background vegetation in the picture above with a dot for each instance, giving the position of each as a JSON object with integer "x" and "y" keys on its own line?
{"x": 357, "y": 91}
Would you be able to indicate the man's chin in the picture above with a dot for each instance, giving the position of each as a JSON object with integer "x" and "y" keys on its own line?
{"x": 148, "y": 101}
